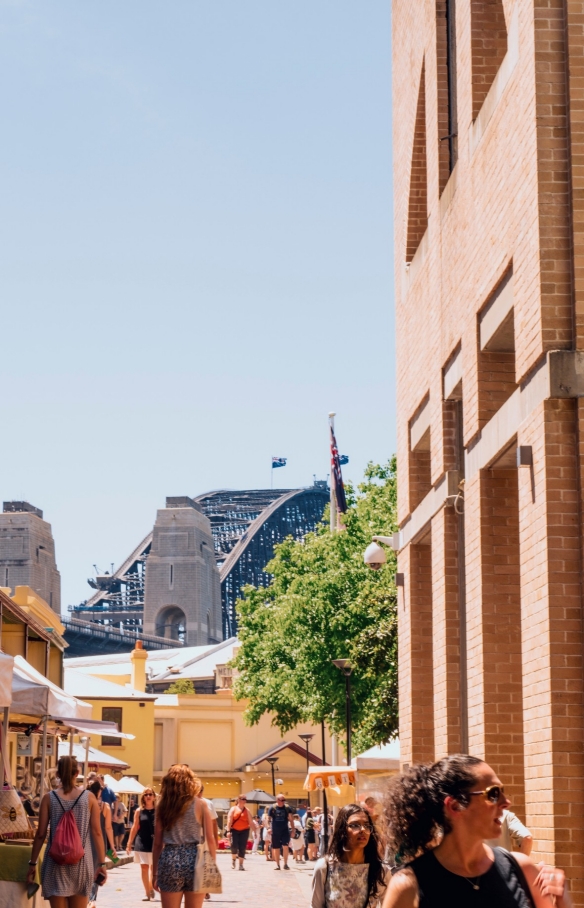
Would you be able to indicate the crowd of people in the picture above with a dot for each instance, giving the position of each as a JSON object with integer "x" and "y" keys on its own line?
{"x": 444, "y": 839}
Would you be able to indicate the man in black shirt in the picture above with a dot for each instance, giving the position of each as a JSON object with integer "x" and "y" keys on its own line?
{"x": 282, "y": 826}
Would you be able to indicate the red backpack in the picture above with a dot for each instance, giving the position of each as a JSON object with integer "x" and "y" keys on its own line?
{"x": 66, "y": 845}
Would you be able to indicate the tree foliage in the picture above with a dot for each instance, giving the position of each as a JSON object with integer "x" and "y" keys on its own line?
{"x": 181, "y": 686}
{"x": 324, "y": 603}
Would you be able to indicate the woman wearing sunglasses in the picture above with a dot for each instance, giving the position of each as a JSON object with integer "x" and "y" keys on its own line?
{"x": 438, "y": 818}
{"x": 141, "y": 839}
{"x": 352, "y": 874}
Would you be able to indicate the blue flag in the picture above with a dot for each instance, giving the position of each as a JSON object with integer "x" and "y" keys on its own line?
{"x": 278, "y": 462}
{"x": 343, "y": 459}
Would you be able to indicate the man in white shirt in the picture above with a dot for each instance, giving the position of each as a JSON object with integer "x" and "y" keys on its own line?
{"x": 514, "y": 835}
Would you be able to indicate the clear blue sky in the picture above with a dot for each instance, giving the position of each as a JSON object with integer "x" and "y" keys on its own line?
{"x": 195, "y": 254}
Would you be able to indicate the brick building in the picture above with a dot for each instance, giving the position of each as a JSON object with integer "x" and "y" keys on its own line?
{"x": 488, "y": 111}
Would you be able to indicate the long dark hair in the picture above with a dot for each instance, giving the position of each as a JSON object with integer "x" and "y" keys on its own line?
{"x": 414, "y": 802}
{"x": 67, "y": 770}
{"x": 373, "y": 848}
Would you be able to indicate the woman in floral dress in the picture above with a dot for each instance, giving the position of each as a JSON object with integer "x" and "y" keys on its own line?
{"x": 352, "y": 874}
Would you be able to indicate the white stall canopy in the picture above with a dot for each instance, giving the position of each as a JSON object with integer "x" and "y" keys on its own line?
{"x": 6, "y": 667}
{"x": 125, "y": 785}
{"x": 34, "y": 695}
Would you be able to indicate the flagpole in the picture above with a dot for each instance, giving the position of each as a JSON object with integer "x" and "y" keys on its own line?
{"x": 333, "y": 514}
{"x": 271, "y": 475}
{"x": 333, "y": 527}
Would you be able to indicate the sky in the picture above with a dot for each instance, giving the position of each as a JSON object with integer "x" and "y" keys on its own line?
{"x": 195, "y": 255}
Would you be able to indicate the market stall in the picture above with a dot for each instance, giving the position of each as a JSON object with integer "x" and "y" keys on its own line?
{"x": 338, "y": 782}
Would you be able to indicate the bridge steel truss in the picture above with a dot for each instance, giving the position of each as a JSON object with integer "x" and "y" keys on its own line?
{"x": 246, "y": 525}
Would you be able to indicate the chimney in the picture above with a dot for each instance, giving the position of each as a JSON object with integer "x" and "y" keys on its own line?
{"x": 138, "y": 659}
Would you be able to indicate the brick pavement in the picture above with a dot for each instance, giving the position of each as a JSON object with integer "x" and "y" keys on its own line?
{"x": 260, "y": 885}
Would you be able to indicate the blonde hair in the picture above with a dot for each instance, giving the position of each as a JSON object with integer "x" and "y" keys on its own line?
{"x": 67, "y": 770}
{"x": 179, "y": 786}
{"x": 143, "y": 795}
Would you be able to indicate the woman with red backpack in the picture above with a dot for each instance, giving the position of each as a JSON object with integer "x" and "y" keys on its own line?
{"x": 68, "y": 870}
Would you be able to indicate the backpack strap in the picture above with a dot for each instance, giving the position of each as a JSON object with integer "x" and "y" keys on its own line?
{"x": 504, "y": 859}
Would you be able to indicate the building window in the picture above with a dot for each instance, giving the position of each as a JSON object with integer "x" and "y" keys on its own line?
{"x": 171, "y": 576}
{"x": 446, "y": 86}
{"x": 111, "y": 714}
{"x": 418, "y": 200}
{"x": 489, "y": 46}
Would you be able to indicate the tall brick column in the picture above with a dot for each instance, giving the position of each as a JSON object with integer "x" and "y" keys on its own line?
{"x": 446, "y": 634}
{"x": 552, "y": 638}
{"x": 415, "y": 667}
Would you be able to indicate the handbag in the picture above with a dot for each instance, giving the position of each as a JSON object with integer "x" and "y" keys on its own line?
{"x": 13, "y": 819}
{"x": 207, "y": 874}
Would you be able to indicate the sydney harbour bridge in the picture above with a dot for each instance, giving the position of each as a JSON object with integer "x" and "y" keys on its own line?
{"x": 246, "y": 525}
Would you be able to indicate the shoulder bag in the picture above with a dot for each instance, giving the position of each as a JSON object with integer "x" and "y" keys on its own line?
{"x": 207, "y": 874}
{"x": 13, "y": 819}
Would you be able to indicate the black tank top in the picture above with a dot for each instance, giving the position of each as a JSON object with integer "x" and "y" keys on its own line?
{"x": 503, "y": 885}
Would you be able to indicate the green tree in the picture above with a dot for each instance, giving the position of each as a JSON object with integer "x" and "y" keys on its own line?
{"x": 181, "y": 686}
{"x": 324, "y": 603}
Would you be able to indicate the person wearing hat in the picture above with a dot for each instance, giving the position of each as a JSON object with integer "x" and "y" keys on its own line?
{"x": 281, "y": 817}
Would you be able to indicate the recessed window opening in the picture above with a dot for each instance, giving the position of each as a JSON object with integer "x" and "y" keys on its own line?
{"x": 419, "y": 459}
{"x": 496, "y": 358}
{"x": 171, "y": 575}
{"x": 489, "y": 46}
{"x": 446, "y": 88}
{"x": 418, "y": 198}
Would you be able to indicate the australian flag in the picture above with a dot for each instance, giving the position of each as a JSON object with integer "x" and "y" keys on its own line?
{"x": 336, "y": 475}
{"x": 278, "y": 462}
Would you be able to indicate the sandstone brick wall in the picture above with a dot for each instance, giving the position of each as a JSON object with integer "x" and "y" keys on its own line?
{"x": 514, "y": 202}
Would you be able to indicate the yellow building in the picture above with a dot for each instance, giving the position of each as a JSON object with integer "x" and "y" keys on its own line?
{"x": 31, "y": 629}
{"x": 132, "y": 709}
{"x": 206, "y": 728}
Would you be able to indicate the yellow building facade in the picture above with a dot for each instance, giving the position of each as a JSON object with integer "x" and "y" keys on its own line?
{"x": 205, "y": 729}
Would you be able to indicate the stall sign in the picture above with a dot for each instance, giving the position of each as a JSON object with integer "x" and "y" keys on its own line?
{"x": 24, "y": 745}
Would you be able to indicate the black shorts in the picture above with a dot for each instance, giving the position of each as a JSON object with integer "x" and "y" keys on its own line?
{"x": 280, "y": 837}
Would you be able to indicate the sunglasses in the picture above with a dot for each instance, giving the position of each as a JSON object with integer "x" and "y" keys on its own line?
{"x": 493, "y": 794}
{"x": 358, "y": 827}
{"x": 243, "y": 799}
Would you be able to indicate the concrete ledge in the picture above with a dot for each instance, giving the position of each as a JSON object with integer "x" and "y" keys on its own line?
{"x": 430, "y": 505}
{"x": 559, "y": 375}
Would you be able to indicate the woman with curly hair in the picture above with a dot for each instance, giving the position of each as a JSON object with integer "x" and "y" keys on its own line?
{"x": 352, "y": 873}
{"x": 438, "y": 818}
{"x": 183, "y": 820}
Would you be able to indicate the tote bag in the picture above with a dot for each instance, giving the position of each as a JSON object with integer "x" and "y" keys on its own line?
{"x": 13, "y": 819}
{"x": 207, "y": 874}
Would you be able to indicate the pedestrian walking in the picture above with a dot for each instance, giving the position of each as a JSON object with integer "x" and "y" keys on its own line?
{"x": 352, "y": 874}
{"x": 281, "y": 823}
{"x": 297, "y": 839}
{"x": 141, "y": 839}
{"x": 267, "y": 834}
{"x": 182, "y": 822}
{"x": 239, "y": 821}
{"x": 515, "y": 836}
{"x": 310, "y": 836}
{"x": 119, "y": 811}
{"x": 108, "y": 795}
{"x": 256, "y": 831}
{"x": 68, "y": 885}
{"x": 438, "y": 818}
{"x": 105, "y": 817}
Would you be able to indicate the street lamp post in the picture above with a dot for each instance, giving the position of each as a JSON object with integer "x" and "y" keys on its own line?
{"x": 307, "y": 739}
{"x": 344, "y": 665}
{"x": 272, "y": 761}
